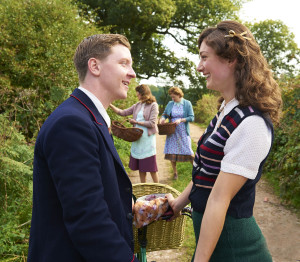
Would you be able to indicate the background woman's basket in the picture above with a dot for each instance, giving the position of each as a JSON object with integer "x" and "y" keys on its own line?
{"x": 166, "y": 128}
{"x": 129, "y": 134}
{"x": 161, "y": 234}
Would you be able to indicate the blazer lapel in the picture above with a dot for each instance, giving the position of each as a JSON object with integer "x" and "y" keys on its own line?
{"x": 99, "y": 122}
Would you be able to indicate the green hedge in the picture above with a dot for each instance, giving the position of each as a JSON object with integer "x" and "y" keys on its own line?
{"x": 15, "y": 191}
{"x": 283, "y": 164}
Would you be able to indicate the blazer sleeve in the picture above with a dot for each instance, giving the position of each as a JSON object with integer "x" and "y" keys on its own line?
{"x": 75, "y": 166}
{"x": 151, "y": 122}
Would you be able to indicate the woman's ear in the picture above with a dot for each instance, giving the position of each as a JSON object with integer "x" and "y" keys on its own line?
{"x": 94, "y": 66}
{"x": 232, "y": 62}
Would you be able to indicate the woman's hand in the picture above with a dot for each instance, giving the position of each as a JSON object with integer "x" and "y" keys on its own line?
{"x": 162, "y": 121}
{"x": 175, "y": 212}
{"x": 132, "y": 121}
{"x": 114, "y": 108}
{"x": 178, "y": 121}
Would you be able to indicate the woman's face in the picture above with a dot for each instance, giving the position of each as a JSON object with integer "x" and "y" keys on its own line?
{"x": 219, "y": 72}
{"x": 138, "y": 95}
{"x": 175, "y": 98}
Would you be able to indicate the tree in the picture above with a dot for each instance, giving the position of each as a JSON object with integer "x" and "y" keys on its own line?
{"x": 37, "y": 42}
{"x": 278, "y": 46}
{"x": 146, "y": 23}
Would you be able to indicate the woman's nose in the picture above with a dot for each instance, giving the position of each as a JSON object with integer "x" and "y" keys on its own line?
{"x": 200, "y": 67}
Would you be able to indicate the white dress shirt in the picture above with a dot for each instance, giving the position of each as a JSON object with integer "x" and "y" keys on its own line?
{"x": 98, "y": 105}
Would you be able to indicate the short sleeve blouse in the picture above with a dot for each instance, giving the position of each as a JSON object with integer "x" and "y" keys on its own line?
{"x": 247, "y": 146}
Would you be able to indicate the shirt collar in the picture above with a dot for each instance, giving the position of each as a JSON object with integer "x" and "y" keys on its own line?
{"x": 180, "y": 102}
{"x": 98, "y": 105}
{"x": 229, "y": 106}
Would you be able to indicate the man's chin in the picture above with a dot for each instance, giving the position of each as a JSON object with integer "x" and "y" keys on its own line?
{"x": 123, "y": 96}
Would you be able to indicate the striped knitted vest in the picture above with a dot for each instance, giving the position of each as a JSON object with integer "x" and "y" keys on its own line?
{"x": 208, "y": 157}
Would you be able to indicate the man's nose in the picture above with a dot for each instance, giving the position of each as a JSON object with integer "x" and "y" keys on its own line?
{"x": 132, "y": 73}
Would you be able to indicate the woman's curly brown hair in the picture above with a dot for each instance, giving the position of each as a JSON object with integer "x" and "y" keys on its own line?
{"x": 255, "y": 84}
{"x": 146, "y": 95}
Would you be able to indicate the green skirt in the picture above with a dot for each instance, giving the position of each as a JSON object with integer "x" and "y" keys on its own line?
{"x": 241, "y": 241}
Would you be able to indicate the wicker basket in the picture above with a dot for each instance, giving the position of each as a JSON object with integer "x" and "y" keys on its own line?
{"x": 166, "y": 128}
{"x": 161, "y": 235}
{"x": 129, "y": 134}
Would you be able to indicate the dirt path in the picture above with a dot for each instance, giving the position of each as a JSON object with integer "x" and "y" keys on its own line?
{"x": 280, "y": 226}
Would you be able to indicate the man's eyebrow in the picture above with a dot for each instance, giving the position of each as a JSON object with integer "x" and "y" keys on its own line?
{"x": 202, "y": 52}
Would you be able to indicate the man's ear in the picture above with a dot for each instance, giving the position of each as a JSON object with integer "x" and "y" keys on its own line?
{"x": 94, "y": 66}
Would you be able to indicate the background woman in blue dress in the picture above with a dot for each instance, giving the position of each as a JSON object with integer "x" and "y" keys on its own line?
{"x": 178, "y": 147}
{"x": 143, "y": 151}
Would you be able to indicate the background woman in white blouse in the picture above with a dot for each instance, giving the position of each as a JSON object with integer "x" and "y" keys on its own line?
{"x": 143, "y": 151}
{"x": 231, "y": 153}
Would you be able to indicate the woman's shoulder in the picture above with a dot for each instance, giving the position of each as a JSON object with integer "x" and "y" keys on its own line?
{"x": 186, "y": 101}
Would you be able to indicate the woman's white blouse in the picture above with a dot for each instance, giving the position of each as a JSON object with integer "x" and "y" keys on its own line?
{"x": 247, "y": 146}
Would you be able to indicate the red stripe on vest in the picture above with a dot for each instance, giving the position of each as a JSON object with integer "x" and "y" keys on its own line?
{"x": 205, "y": 178}
{"x": 230, "y": 119}
{"x": 211, "y": 150}
{"x": 87, "y": 109}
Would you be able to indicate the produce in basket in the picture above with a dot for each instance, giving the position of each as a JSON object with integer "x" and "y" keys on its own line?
{"x": 148, "y": 209}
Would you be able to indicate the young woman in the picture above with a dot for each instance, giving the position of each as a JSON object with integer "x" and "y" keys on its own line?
{"x": 143, "y": 151}
{"x": 234, "y": 147}
{"x": 178, "y": 147}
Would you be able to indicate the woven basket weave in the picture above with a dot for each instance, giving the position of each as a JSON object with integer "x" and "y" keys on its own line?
{"x": 129, "y": 134}
{"x": 161, "y": 235}
{"x": 166, "y": 128}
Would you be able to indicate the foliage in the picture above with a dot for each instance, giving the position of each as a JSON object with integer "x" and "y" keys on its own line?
{"x": 37, "y": 42}
{"x": 15, "y": 194}
{"x": 284, "y": 160}
{"x": 278, "y": 46}
{"x": 147, "y": 23}
{"x": 206, "y": 108}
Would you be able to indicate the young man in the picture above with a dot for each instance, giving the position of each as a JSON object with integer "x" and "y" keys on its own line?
{"x": 82, "y": 196}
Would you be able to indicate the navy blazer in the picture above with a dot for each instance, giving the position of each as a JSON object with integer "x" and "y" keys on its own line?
{"x": 82, "y": 196}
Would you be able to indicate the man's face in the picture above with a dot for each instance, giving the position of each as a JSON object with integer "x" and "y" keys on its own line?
{"x": 116, "y": 73}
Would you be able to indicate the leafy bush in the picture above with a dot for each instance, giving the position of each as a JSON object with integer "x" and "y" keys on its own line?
{"x": 284, "y": 161}
{"x": 37, "y": 43}
{"x": 206, "y": 109}
{"x": 15, "y": 194}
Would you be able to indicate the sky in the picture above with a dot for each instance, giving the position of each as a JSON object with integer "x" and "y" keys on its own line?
{"x": 258, "y": 10}
{"x": 285, "y": 10}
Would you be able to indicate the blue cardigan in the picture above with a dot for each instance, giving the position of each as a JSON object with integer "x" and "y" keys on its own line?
{"x": 188, "y": 112}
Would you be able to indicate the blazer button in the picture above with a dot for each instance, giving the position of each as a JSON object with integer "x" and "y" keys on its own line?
{"x": 129, "y": 216}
